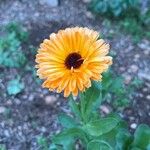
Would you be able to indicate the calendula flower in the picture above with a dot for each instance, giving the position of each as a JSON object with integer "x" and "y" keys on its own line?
{"x": 71, "y": 58}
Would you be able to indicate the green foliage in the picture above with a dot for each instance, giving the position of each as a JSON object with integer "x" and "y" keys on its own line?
{"x": 67, "y": 121}
{"x": 21, "y": 34}
{"x": 2, "y": 147}
{"x": 98, "y": 145}
{"x": 115, "y": 91}
{"x": 11, "y": 54}
{"x": 14, "y": 86}
{"x": 115, "y": 8}
{"x": 93, "y": 95}
{"x": 142, "y": 137}
{"x": 94, "y": 132}
{"x": 66, "y": 139}
{"x": 101, "y": 126}
{"x": 7, "y": 113}
{"x": 127, "y": 12}
{"x": 42, "y": 142}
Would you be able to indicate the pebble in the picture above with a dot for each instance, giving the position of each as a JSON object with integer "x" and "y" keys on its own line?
{"x": 2, "y": 124}
{"x": 105, "y": 109}
{"x": 2, "y": 109}
{"x": 137, "y": 56}
{"x": 140, "y": 95}
{"x": 145, "y": 89}
{"x": 145, "y": 76}
{"x": 122, "y": 68}
{"x": 127, "y": 79}
{"x": 25, "y": 97}
{"x": 148, "y": 97}
{"x": 132, "y": 118}
{"x": 52, "y": 3}
{"x": 50, "y": 100}
{"x": 147, "y": 52}
{"x": 31, "y": 97}
{"x": 6, "y": 133}
{"x": 58, "y": 103}
{"x": 143, "y": 45}
{"x": 134, "y": 68}
{"x": 133, "y": 125}
{"x": 43, "y": 129}
{"x": 89, "y": 15}
{"x": 86, "y": 1}
{"x": 9, "y": 102}
{"x": 17, "y": 101}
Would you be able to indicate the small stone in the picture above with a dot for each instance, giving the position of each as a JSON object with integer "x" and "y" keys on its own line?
{"x": 9, "y": 102}
{"x": 20, "y": 133}
{"x": 50, "y": 100}
{"x": 2, "y": 124}
{"x": 145, "y": 89}
{"x": 17, "y": 101}
{"x": 141, "y": 95}
{"x": 137, "y": 56}
{"x": 58, "y": 103}
{"x": 19, "y": 128}
{"x": 43, "y": 129}
{"x": 31, "y": 97}
{"x": 131, "y": 118}
{"x": 24, "y": 96}
{"x": 45, "y": 91}
{"x": 143, "y": 45}
{"x": 127, "y": 79}
{"x": 52, "y": 3}
{"x": 145, "y": 76}
{"x": 89, "y": 15}
{"x": 148, "y": 97}
{"x": 2, "y": 109}
{"x": 133, "y": 125}
{"x": 57, "y": 131}
{"x": 134, "y": 68}
{"x": 6, "y": 133}
{"x": 147, "y": 52}
{"x": 122, "y": 68}
{"x": 37, "y": 14}
{"x": 57, "y": 95}
{"x": 105, "y": 109}
{"x": 86, "y": 1}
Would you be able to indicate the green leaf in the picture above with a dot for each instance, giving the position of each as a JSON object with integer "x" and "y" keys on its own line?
{"x": 98, "y": 145}
{"x": 67, "y": 121}
{"x": 135, "y": 148}
{"x": 110, "y": 136}
{"x": 11, "y": 53}
{"x": 142, "y": 137}
{"x": 55, "y": 147}
{"x": 123, "y": 140}
{"x": 42, "y": 142}
{"x": 14, "y": 87}
{"x": 74, "y": 107}
{"x": 67, "y": 138}
{"x": 101, "y": 126}
{"x": 90, "y": 100}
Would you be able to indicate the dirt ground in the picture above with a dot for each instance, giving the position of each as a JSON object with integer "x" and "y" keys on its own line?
{"x": 34, "y": 111}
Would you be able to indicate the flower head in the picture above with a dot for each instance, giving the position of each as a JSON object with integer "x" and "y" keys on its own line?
{"x": 71, "y": 58}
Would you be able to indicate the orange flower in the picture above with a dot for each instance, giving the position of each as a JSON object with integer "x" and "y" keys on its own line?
{"x": 71, "y": 58}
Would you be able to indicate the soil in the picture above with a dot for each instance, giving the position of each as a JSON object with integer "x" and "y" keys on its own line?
{"x": 33, "y": 112}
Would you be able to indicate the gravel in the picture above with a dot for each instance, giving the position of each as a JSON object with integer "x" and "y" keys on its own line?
{"x": 33, "y": 113}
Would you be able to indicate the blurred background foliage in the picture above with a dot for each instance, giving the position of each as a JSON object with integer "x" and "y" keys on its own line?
{"x": 131, "y": 15}
{"x": 11, "y": 52}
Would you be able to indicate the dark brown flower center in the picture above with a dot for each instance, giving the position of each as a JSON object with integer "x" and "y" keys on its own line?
{"x": 73, "y": 60}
